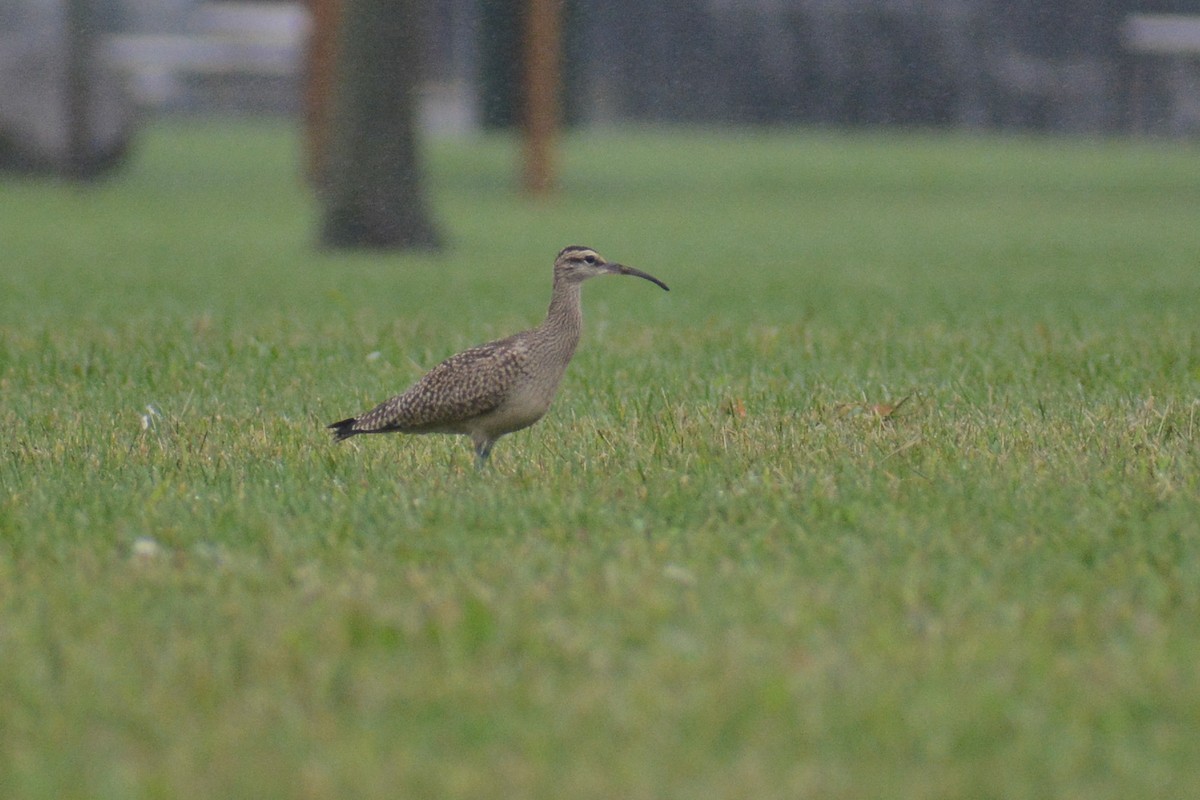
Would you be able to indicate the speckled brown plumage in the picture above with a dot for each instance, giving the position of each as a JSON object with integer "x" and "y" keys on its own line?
{"x": 502, "y": 386}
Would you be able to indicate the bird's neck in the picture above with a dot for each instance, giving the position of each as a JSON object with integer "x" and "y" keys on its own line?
{"x": 564, "y": 318}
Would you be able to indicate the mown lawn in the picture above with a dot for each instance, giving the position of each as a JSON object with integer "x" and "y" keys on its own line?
{"x": 726, "y": 564}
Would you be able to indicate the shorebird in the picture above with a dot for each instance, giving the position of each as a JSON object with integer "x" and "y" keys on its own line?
{"x": 502, "y": 386}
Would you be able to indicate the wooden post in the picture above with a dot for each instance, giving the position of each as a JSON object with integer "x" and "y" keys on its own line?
{"x": 540, "y": 118}
{"x": 318, "y": 86}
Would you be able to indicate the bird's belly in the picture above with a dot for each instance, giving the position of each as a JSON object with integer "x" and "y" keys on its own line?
{"x": 520, "y": 410}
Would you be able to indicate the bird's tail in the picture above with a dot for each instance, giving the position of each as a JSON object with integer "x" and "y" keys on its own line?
{"x": 343, "y": 429}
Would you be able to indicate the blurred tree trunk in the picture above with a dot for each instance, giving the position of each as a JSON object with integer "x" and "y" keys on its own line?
{"x": 500, "y": 63}
{"x": 80, "y": 47}
{"x": 370, "y": 178}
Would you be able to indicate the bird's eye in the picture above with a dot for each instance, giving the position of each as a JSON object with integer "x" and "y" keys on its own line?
{"x": 589, "y": 259}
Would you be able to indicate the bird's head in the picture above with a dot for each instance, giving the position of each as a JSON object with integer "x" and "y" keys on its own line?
{"x": 576, "y": 264}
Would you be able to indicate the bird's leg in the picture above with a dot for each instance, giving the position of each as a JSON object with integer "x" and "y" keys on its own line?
{"x": 483, "y": 449}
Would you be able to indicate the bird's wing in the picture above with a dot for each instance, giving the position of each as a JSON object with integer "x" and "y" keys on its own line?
{"x": 463, "y": 386}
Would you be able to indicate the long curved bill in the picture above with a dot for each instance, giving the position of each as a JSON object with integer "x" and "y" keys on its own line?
{"x": 624, "y": 270}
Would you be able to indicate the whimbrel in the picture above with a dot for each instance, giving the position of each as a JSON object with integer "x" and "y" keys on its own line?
{"x": 502, "y": 386}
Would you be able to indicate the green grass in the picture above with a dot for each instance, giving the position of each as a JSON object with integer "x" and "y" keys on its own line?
{"x": 711, "y": 571}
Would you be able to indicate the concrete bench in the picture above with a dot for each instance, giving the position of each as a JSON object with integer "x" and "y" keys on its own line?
{"x": 223, "y": 41}
{"x": 1165, "y": 51}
